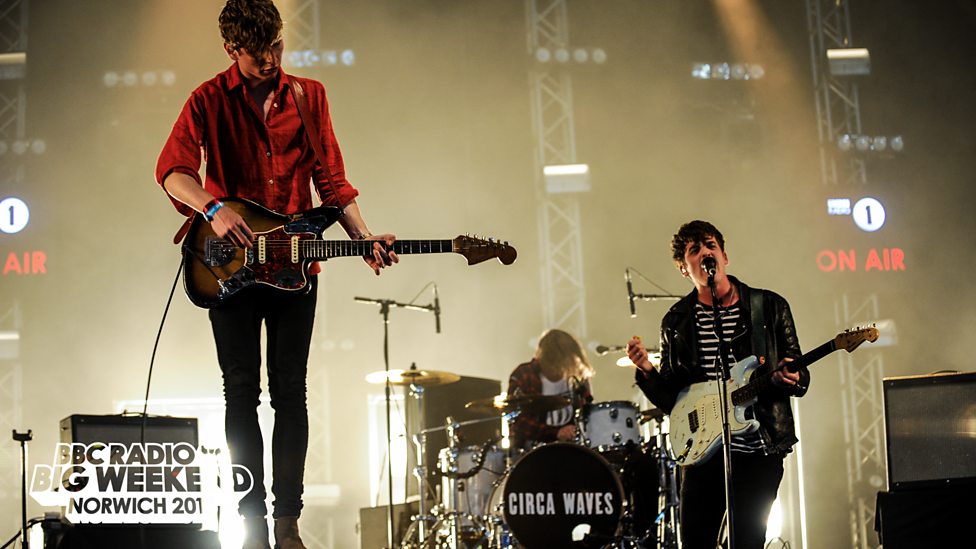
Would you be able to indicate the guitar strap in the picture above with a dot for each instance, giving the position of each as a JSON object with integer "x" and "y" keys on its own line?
{"x": 758, "y": 323}
{"x": 311, "y": 131}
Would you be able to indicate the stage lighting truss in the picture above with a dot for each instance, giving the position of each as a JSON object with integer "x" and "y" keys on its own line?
{"x": 858, "y": 143}
{"x": 321, "y": 58}
{"x": 727, "y": 71}
{"x": 133, "y": 78}
{"x": 579, "y": 56}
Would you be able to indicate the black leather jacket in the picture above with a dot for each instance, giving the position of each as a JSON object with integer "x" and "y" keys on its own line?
{"x": 679, "y": 361}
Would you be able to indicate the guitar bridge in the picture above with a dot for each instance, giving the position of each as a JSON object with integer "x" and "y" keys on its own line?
{"x": 217, "y": 251}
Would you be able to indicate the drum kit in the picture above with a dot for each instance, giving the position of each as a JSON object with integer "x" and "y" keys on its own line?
{"x": 614, "y": 486}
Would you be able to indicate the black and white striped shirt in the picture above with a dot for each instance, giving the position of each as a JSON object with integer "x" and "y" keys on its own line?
{"x": 708, "y": 358}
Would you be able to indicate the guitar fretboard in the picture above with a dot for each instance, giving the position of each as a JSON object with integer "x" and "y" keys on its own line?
{"x": 325, "y": 249}
{"x": 752, "y": 389}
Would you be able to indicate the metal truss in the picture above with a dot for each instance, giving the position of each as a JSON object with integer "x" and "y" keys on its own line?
{"x": 13, "y": 25}
{"x": 559, "y": 215}
{"x": 301, "y": 24}
{"x": 863, "y": 416}
{"x": 838, "y": 106}
{"x": 11, "y": 393}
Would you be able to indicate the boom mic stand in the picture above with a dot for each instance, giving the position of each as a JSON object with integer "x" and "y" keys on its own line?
{"x": 385, "y": 306}
{"x": 723, "y": 389}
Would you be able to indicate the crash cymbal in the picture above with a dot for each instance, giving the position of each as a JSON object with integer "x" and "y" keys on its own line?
{"x": 421, "y": 378}
{"x": 532, "y": 404}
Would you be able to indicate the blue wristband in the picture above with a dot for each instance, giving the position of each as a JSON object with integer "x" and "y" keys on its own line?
{"x": 212, "y": 209}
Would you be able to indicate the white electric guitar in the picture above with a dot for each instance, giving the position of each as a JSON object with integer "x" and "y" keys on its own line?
{"x": 696, "y": 420}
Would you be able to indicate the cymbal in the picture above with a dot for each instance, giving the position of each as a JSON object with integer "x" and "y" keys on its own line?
{"x": 422, "y": 378}
{"x": 532, "y": 404}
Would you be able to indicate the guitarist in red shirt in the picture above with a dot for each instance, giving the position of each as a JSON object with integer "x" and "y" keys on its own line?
{"x": 752, "y": 322}
{"x": 245, "y": 124}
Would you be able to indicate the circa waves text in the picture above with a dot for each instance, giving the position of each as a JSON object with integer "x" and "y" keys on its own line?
{"x": 572, "y": 503}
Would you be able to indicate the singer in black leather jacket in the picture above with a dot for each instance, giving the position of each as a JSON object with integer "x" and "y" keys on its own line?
{"x": 690, "y": 354}
{"x": 679, "y": 361}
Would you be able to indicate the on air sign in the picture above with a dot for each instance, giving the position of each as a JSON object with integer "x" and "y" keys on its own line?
{"x": 884, "y": 259}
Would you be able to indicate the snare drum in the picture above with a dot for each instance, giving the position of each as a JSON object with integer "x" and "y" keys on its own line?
{"x": 471, "y": 492}
{"x": 556, "y": 495}
{"x": 607, "y": 427}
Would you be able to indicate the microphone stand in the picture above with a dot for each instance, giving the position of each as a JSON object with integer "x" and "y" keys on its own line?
{"x": 656, "y": 297}
{"x": 723, "y": 390}
{"x": 385, "y": 305}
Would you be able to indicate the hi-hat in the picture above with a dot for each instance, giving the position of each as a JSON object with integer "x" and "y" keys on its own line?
{"x": 422, "y": 378}
{"x": 531, "y": 404}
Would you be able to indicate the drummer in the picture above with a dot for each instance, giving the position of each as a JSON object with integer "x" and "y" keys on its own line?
{"x": 559, "y": 368}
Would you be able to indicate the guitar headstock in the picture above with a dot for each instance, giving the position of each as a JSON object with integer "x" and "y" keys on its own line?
{"x": 477, "y": 250}
{"x": 852, "y": 339}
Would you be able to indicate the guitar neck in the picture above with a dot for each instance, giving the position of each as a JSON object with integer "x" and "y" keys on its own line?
{"x": 752, "y": 389}
{"x": 320, "y": 250}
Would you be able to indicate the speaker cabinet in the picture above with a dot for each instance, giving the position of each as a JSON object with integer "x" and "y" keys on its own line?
{"x": 930, "y": 430}
{"x": 86, "y": 429}
{"x": 374, "y": 524}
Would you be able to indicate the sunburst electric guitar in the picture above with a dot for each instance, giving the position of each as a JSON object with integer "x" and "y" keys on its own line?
{"x": 696, "y": 420}
{"x": 284, "y": 248}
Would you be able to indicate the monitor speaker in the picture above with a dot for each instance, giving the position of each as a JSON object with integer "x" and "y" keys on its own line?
{"x": 930, "y": 428}
{"x": 86, "y": 429}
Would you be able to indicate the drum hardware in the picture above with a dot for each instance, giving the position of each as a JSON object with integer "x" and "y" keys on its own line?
{"x": 530, "y": 404}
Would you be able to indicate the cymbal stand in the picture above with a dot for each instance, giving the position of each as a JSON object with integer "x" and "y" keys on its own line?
{"x": 385, "y": 306}
{"x": 667, "y": 470}
{"x": 420, "y": 442}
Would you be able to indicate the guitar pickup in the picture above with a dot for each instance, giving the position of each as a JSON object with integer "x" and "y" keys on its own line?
{"x": 217, "y": 251}
{"x": 693, "y": 421}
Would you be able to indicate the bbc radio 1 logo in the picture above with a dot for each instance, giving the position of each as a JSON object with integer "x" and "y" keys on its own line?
{"x": 162, "y": 483}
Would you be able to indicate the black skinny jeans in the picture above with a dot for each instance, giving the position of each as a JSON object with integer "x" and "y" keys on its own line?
{"x": 755, "y": 481}
{"x": 236, "y": 326}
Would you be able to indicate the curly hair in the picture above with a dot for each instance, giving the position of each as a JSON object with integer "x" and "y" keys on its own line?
{"x": 693, "y": 231}
{"x": 560, "y": 351}
{"x": 252, "y": 25}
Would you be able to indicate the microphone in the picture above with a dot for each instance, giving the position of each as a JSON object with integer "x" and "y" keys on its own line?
{"x": 437, "y": 310}
{"x": 709, "y": 265}
{"x": 630, "y": 293}
{"x": 603, "y": 349}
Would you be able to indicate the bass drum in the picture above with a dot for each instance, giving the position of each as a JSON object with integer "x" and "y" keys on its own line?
{"x": 556, "y": 495}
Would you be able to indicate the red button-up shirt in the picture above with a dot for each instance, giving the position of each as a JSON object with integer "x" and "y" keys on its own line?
{"x": 267, "y": 160}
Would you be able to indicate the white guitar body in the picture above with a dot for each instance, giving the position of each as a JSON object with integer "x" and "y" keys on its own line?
{"x": 696, "y": 420}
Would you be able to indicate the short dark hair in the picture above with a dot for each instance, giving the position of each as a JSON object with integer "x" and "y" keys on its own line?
{"x": 693, "y": 231}
{"x": 254, "y": 25}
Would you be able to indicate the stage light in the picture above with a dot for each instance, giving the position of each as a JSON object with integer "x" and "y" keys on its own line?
{"x": 330, "y": 57}
{"x": 845, "y": 142}
{"x": 580, "y": 55}
{"x": 149, "y": 78}
{"x": 19, "y": 146}
{"x": 849, "y": 61}
{"x": 348, "y": 58}
{"x": 599, "y": 56}
{"x": 879, "y": 143}
{"x": 562, "y": 55}
{"x": 296, "y": 59}
{"x": 543, "y": 55}
{"x": 862, "y": 143}
{"x": 38, "y": 146}
{"x": 310, "y": 58}
{"x": 110, "y": 79}
{"x": 727, "y": 71}
{"x": 897, "y": 144}
{"x": 129, "y": 78}
{"x": 567, "y": 178}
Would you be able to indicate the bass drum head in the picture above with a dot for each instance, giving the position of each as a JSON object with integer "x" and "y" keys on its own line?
{"x": 557, "y": 492}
